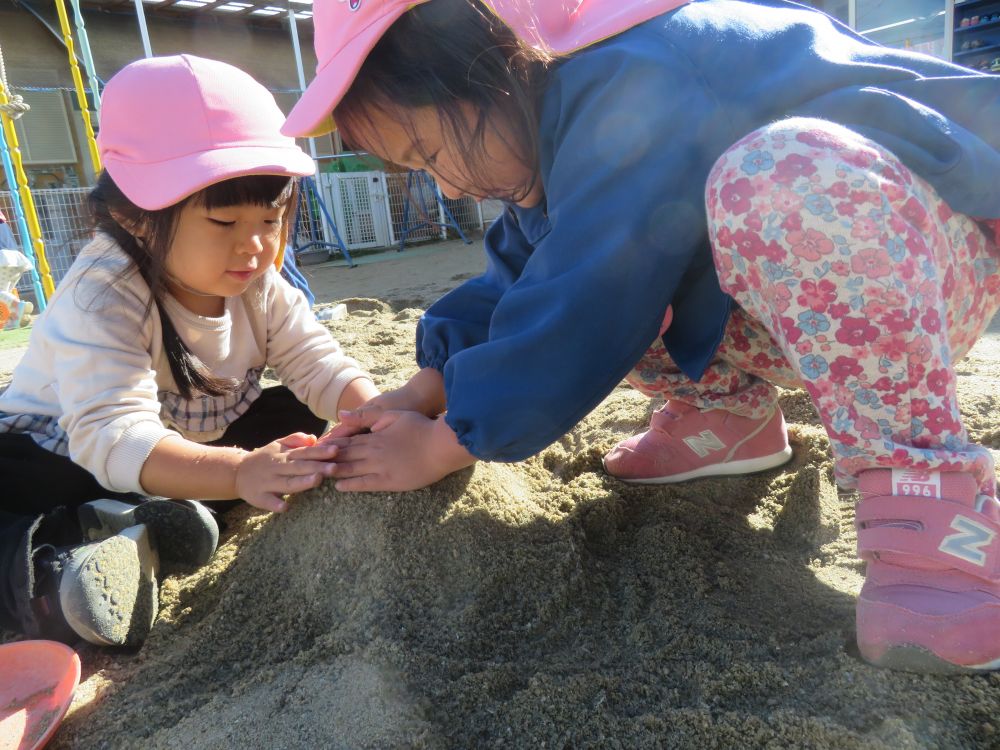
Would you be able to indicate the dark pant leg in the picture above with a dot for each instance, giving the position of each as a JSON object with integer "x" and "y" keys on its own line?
{"x": 14, "y": 586}
{"x": 22, "y": 537}
{"x": 37, "y": 480}
{"x": 41, "y": 491}
{"x": 275, "y": 414}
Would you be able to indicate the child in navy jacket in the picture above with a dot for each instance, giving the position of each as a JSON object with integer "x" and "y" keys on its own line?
{"x": 709, "y": 198}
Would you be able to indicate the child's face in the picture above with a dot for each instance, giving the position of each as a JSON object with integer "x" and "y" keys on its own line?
{"x": 219, "y": 253}
{"x": 422, "y": 144}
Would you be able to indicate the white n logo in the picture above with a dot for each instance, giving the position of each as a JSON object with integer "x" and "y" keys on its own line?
{"x": 969, "y": 542}
{"x": 704, "y": 443}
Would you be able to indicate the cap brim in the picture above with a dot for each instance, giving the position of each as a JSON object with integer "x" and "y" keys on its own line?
{"x": 312, "y": 115}
{"x": 157, "y": 185}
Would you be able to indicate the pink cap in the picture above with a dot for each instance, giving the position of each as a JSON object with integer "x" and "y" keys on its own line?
{"x": 347, "y": 30}
{"x": 171, "y": 126}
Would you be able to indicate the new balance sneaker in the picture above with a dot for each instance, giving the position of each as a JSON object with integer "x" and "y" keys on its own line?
{"x": 104, "y": 592}
{"x": 684, "y": 443}
{"x": 184, "y": 532}
{"x": 931, "y": 597}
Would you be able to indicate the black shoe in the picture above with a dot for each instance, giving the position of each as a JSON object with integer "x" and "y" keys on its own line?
{"x": 104, "y": 592}
{"x": 184, "y": 532}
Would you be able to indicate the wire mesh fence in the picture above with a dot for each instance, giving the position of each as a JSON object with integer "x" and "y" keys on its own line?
{"x": 491, "y": 210}
{"x": 369, "y": 210}
{"x": 377, "y": 209}
{"x": 64, "y": 220}
{"x": 309, "y": 227}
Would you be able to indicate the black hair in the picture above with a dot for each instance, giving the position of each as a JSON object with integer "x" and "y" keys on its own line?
{"x": 115, "y": 215}
{"x": 445, "y": 54}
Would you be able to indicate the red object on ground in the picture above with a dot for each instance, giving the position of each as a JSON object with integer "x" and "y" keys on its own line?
{"x": 37, "y": 681}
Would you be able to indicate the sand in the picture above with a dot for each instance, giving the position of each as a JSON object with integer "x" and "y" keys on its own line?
{"x": 539, "y": 604}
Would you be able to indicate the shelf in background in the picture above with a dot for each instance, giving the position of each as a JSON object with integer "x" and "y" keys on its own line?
{"x": 969, "y": 4}
{"x": 977, "y": 27}
{"x": 976, "y": 51}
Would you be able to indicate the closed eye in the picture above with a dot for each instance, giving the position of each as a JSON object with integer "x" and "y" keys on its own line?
{"x": 221, "y": 223}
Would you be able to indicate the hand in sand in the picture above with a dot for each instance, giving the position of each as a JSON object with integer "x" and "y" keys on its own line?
{"x": 290, "y": 464}
{"x": 404, "y": 451}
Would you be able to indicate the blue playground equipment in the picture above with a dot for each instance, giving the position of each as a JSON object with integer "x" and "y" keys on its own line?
{"x": 311, "y": 197}
{"x": 417, "y": 193}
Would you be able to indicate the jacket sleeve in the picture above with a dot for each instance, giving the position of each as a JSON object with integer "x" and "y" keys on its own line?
{"x": 303, "y": 353}
{"x": 105, "y": 379}
{"x": 461, "y": 318}
{"x": 629, "y": 137}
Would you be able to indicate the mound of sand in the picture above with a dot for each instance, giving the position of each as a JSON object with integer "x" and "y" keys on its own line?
{"x": 538, "y": 604}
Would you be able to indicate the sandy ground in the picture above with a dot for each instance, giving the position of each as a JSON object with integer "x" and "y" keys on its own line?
{"x": 539, "y": 604}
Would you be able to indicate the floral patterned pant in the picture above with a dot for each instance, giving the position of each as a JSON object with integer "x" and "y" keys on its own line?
{"x": 855, "y": 281}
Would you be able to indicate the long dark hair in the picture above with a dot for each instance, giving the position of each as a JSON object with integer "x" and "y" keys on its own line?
{"x": 111, "y": 212}
{"x": 445, "y": 54}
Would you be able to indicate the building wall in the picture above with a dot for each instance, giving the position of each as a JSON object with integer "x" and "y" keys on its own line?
{"x": 35, "y": 59}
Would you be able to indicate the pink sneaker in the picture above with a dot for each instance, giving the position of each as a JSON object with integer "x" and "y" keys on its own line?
{"x": 931, "y": 598}
{"x": 684, "y": 443}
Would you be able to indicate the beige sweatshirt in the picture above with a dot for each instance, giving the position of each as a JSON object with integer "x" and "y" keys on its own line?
{"x": 96, "y": 364}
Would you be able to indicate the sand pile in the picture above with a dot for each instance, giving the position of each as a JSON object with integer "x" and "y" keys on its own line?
{"x": 540, "y": 604}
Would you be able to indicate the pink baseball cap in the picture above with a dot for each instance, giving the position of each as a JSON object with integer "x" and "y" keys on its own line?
{"x": 347, "y": 30}
{"x": 171, "y": 126}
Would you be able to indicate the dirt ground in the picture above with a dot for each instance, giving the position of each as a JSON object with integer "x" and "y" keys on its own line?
{"x": 538, "y": 604}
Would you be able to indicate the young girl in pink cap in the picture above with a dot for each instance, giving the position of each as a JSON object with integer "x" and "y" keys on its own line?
{"x": 801, "y": 206}
{"x": 142, "y": 377}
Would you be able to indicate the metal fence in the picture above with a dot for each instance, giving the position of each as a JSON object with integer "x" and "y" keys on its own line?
{"x": 370, "y": 210}
{"x": 64, "y": 221}
{"x": 381, "y": 209}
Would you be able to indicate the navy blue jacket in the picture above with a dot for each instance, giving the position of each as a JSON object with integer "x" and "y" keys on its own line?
{"x": 575, "y": 289}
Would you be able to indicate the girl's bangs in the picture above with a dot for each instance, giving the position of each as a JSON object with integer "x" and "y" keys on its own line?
{"x": 272, "y": 191}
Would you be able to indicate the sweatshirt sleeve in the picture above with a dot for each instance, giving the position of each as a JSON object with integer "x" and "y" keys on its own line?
{"x": 306, "y": 357}
{"x": 629, "y": 136}
{"x": 101, "y": 339}
{"x": 461, "y": 318}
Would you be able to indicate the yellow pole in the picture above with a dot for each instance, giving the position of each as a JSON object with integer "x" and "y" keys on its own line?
{"x": 24, "y": 191}
{"x": 81, "y": 97}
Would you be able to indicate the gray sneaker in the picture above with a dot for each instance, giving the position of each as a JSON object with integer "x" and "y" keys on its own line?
{"x": 183, "y": 532}
{"x": 107, "y": 590}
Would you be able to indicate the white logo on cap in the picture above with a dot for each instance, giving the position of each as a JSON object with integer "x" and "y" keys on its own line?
{"x": 352, "y": 4}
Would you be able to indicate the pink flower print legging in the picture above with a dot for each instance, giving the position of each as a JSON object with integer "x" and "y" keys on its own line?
{"x": 854, "y": 280}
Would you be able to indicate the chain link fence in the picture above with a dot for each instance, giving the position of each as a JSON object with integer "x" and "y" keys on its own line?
{"x": 64, "y": 220}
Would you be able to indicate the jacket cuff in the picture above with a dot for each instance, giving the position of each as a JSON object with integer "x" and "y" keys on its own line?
{"x": 435, "y": 362}
{"x": 130, "y": 452}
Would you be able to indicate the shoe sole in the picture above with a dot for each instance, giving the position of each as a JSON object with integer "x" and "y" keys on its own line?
{"x": 729, "y": 468}
{"x": 109, "y": 596}
{"x": 184, "y": 531}
{"x": 912, "y": 658}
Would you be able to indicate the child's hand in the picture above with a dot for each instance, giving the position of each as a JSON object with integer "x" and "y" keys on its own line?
{"x": 405, "y": 451}
{"x": 353, "y": 422}
{"x": 291, "y": 464}
{"x": 357, "y": 421}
